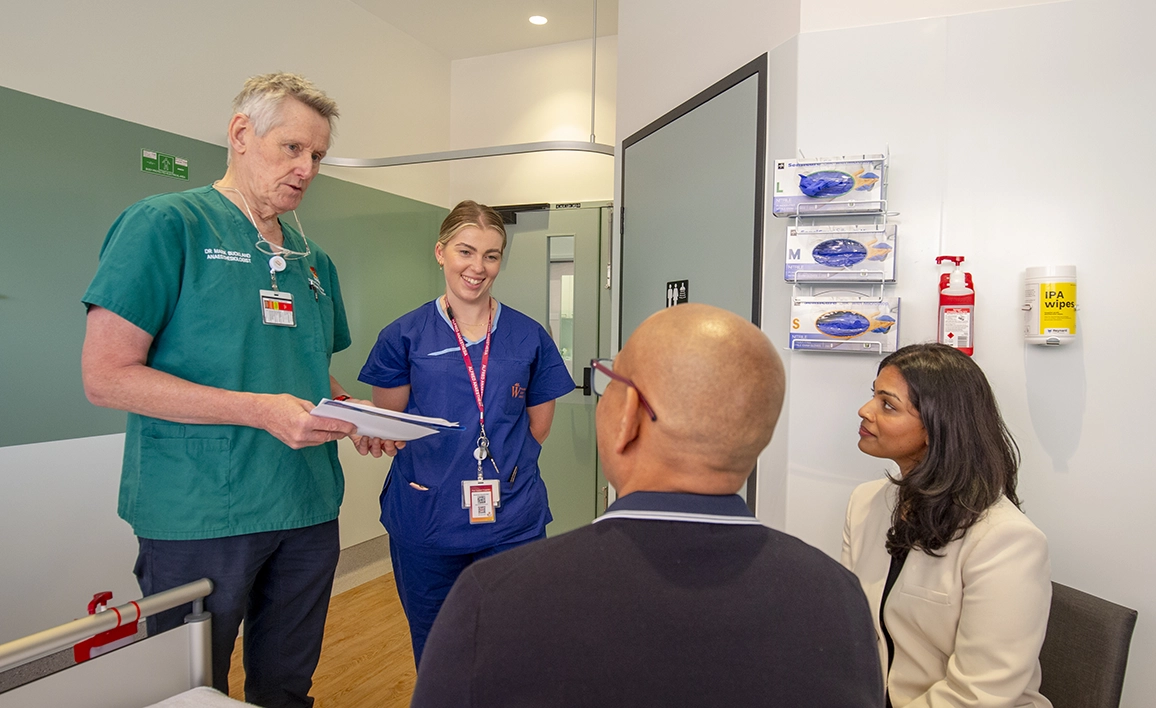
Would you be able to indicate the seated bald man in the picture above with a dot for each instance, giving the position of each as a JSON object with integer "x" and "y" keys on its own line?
{"x": 677, "y": 596}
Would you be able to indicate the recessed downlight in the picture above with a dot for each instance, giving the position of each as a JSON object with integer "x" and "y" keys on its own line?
{"x": 538, "y": 20}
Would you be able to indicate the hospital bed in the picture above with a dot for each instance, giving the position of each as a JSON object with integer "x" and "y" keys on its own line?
{"x": 170, "y": 670}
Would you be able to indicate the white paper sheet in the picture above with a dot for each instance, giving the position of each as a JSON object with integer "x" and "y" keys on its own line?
{"x": 382, "y": 423}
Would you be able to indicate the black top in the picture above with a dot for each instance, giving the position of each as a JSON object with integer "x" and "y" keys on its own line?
{"x": 669, "y": 599}
{"x": 892, "y": 576}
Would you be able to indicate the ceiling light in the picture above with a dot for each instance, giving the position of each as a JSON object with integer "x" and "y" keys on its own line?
{"x": 537, "y": 20}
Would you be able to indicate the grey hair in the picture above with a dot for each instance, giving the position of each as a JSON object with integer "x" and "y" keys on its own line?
{"x": 262, "y": 97}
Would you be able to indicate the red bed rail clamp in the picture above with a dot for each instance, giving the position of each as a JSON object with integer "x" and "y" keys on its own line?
{"x": 114, "y": 638}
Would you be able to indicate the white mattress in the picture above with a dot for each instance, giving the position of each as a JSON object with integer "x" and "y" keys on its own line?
{"x": 200, "y": 697}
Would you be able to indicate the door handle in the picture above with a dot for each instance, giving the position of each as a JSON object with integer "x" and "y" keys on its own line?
{"x": 586, "y": 386}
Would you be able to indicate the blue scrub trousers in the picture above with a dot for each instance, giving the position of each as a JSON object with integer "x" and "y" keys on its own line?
{"x": 424, "y": 579}
{"x": 279, "y": 582}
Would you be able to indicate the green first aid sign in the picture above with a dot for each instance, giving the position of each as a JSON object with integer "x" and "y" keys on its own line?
{"x": 159, "y": 163}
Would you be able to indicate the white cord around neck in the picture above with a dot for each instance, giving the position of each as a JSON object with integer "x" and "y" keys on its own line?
{"x": 274, "y": 249}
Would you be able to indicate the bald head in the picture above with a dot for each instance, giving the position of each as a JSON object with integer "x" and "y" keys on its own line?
{"x": 716, "y": 385}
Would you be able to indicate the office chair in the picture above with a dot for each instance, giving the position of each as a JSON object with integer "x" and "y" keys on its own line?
{"x": 1085, "y": 650}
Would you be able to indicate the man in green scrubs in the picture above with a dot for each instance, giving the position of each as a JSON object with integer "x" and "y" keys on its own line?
{"x": 212, "y": 322}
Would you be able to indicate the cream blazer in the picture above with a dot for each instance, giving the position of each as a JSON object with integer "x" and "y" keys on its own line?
{"x": 967, "y": 626}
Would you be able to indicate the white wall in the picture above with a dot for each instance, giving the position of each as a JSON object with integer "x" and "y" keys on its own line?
{"x": 820, "y": 15}
{"x": 528, "y": 96}
{"x": 1021, "y": 134}
{"x": 782, "y": 95}
{"x": 666, "y": 56}
{"x": 904, "y": 107}
{"x": 176, "y": 66}
{"x": 994, "y": 120}
{"x": 62, "y": 541}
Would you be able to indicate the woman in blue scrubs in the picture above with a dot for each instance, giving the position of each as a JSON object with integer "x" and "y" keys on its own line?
{"x": 455, "y": 497}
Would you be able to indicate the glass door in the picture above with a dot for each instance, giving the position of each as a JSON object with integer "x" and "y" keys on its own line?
{"x": 555, "y": 272}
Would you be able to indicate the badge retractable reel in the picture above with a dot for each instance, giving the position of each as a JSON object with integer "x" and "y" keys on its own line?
{"x": 276, "y": 305}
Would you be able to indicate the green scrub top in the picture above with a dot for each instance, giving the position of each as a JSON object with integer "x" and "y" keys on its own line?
{"x": 184, "y": 268}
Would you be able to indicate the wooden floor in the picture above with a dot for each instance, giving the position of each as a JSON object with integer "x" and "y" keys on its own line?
{"x": 366, "y": 659}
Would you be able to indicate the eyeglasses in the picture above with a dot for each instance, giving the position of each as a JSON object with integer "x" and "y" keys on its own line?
{"x": 603, "y": 374}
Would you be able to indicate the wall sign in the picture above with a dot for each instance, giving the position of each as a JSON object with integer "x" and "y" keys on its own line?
{"x": 158, "y": 163}
{"x": 676, "y": 292}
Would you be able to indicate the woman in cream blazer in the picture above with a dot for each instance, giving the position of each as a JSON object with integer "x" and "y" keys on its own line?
{"x": 970, "y": 589}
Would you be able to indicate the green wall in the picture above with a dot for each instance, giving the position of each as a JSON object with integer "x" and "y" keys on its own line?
{"x": 67, "y": 173}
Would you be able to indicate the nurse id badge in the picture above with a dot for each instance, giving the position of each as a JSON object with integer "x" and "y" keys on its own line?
{"x": 481, "y": 498}
{"x": 277, "y": 308}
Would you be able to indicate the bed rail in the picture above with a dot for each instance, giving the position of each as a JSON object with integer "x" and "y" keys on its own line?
{"x": 41, "y": 644}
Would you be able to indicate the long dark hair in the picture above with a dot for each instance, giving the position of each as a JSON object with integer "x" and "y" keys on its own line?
{"x": 971, "y": 457}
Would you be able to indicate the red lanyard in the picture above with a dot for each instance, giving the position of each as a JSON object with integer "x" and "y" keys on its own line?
{"x": 479, "y": 388}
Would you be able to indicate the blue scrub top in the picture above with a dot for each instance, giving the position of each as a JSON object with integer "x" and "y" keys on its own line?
{"x": 525, "y": 369}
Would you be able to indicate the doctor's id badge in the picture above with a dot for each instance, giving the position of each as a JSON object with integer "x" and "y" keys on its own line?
{"x": 481, "y": 498}
{"x": 277, "y": 308}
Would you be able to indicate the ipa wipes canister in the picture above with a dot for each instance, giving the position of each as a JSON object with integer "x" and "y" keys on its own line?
{"x": 1050, "y": 305}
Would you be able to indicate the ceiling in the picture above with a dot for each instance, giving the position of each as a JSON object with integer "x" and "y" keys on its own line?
{"x": 459, "y": 29}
